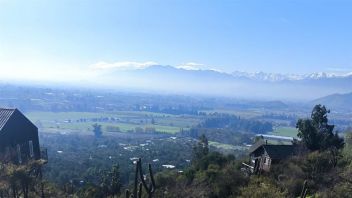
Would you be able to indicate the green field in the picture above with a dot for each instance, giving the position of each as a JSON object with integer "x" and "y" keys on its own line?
{"x": 227, "y": 146}
{"x": 285, "y": 131}
{"x": 244, "y": 114}
{"x": 124, "y": 120}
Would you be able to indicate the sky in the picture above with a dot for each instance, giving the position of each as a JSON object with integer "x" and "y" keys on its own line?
{"x": 72, "y": 38}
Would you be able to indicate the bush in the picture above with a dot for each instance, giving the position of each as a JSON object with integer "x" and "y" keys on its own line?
{"x": 317, "y": 163}
{"x": 259, "y": 187}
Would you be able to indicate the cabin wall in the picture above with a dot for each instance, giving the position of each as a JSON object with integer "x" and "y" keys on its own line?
{"x": 262, "y": 160}
{"x": 266, "y": 163}
{"x": 19, "y": 131}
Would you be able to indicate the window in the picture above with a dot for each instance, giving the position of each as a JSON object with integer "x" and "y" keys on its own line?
{"x": 19, "y": 154}
{"x": 31, "y": 153}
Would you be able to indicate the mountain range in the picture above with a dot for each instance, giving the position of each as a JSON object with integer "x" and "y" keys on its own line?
{"x": 260, "y": 85}
{"x": 262, "y": 76}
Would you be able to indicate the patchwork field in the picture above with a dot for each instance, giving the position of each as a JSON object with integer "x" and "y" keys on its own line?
{"x": 250, "y": 113}
{"x": 227, "y": 146}
{"x": 285, "y": 131}
{"x": 122, "y": 121}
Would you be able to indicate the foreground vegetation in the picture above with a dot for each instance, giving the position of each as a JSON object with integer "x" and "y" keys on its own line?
{"x": 88, "y": 166}
{"x": 322, "y": 159}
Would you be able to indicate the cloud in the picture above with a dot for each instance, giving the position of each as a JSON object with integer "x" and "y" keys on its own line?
{"x": 122, "y": 65}
{"x": 191, "y": 66}
{"x": 197, "y": 66}
{"x": 132, "y": 65}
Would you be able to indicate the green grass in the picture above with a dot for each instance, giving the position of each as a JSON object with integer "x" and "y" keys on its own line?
{"x": 127, "y": 120}
{"x": 76, "y": 115}
{"x": 285, "y": 131}
{"x": 226, "y": 146}
{"x": 243, "y": 114}
{"x": 280, "y": 142}
{"x": 124, "y": 127}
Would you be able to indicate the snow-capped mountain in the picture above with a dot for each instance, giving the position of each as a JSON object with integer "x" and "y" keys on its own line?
{"x": 169, "y": 79}
{"x": 260, "y": 76}
{"x": 321, "y": 75}
{"x": 274, "y": 77}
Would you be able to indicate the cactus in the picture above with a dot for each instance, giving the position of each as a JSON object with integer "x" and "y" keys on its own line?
{"x": 304, "y": 190}
{"x": 127, "y": 193}
{"x": 138, "y": 186}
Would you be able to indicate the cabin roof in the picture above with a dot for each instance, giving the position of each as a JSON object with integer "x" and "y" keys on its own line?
{"x": 275, "y": 151}
{"x": 279, "y": 151}
{"x": 256, "y": 145}
{"x": 5, "y": 115}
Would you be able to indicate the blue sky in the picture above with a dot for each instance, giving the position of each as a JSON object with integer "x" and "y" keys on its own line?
{"x": 55, "y": 38}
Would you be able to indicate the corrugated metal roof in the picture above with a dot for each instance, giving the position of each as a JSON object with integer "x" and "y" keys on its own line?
{"x": 274, "y": 151}
{"x": 5, "y": 115}
{"x": 279, "y": 151}
{"x": 256, "y": 145}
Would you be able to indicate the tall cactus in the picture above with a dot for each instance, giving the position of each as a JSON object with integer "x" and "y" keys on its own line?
{"x": 128, "y": 193}
{"x": 304, "y": 190}
{"x": 138, "y": 186}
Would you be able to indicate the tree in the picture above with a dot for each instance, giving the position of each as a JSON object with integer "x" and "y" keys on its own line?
{"x": 110, "y": 183}
{"x": 200, "y": 150}
{"x": 97, "y": 130}
{"x": 316, "y": 133}
{"x": 115, "y": 185}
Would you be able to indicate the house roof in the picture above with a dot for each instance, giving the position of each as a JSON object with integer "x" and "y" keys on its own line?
{"x": 274, "y": 151}
{"x": 279, "y": 151}
{"x": 5, "y": 115}
{"x": 256, "y": 145}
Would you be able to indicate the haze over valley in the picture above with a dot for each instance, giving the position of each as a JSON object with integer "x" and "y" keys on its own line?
{"x": 175, "y": 99}
{"x": 161, "y": 79}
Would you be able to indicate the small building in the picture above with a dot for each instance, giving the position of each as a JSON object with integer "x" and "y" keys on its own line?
{"x": 19, "y": 135}
{"x": 263, "y": 155}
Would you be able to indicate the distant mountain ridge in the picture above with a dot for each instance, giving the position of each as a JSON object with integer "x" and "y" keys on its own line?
{"x": 280, "y": 77}
{"x": 340, "y": 102}
{"x": 169, "y": 79}
{"x": 261, "y": 76}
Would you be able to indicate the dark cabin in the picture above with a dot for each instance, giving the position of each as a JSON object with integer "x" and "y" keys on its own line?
{"x": 263, "y": 155}
{"x": 18, "y": 134}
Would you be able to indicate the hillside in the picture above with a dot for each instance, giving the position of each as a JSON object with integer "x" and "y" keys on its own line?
{"x": 340, "y": 102}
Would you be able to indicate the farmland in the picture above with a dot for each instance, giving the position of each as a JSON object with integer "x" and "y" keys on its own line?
{"x": 285, "y": 131}
{"x": 121, "y": 121}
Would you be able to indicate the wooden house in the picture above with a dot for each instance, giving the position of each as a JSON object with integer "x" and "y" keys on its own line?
{"x": 263, "y": 155}
{"x": 18, "y": 134}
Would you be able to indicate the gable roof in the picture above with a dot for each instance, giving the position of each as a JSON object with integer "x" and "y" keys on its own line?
{"x": 5, "y": 115}
{"x": 279, "y": 151}
{"x": 273, "y": 150}
{"x": 256, "y": 145}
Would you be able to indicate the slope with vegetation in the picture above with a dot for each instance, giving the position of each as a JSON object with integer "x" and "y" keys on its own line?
{"x": 321, "y": 167}
{"x": 323, "y": 159}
